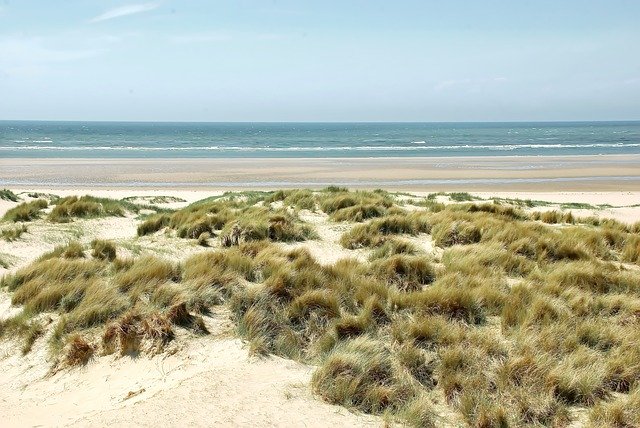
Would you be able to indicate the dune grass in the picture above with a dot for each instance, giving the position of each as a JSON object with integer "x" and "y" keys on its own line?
{"x": 8, "y": 195}
{"x": 22, "y": 326}
{"x": 519, "y": 319}
{"x": 104, "y": 250}
{"x": 97, "y": 293}
{"x": 232, "y": 220}
{"x": 375, "y": 232}
{"x": 154, "y": 199}
{"x": 11, "y": 234}
{"x": 454, "y": 196}
{"x": 26, "y": 211}
{"x": 89, "y": 207}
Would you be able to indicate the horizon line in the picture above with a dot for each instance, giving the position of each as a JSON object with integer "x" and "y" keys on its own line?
{"x": 319, "y": 121}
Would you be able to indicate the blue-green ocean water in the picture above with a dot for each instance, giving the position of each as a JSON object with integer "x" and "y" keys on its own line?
{"x": 309, "y": 140}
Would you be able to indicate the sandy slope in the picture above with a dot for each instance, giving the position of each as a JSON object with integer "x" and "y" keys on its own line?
{"x": 211, "y": 381}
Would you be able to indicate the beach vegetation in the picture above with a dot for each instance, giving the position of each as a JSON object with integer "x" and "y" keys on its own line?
{"x": 21, "y": 327}
{"x": 461, "y": 196}
{"x": 233, "y": 220}
{"x": 621, "y": 412}
{"x": 102, "y": 249}
{"x": 394, "y": 246}
{"x": 153, "y": 224}
{"x": 71, "y": 250}
{"x": 8, "y": 195}
{"x": 153, "y": 200}
{"x": 66, "y": 209}
{"x": 553, "y": 217}
{"x": 512, "y": 320}
{"x": 79, "y": 351}
{"x": 375, "y": 232}
{"x": 13, "y": 233}
{"x": 342, "y": 205}
{"x": 26, "y": 211}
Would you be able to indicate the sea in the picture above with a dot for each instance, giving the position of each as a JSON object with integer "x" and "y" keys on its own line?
{"x": 39, "y": 139}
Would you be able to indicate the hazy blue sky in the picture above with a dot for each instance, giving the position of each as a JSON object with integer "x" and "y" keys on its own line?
{"x": 364, "y": 60}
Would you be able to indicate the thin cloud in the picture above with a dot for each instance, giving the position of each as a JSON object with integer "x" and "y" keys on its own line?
{"x": 127, "y": 10}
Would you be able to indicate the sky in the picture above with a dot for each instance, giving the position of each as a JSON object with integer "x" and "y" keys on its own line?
{"x": 324, "y": 60}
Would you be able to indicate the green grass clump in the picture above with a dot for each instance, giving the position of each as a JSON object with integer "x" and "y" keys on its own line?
{"x": 8, "y": 195}
{"x": 486, "y": 260}
{"x": 301, "y": 199}
{"x": 456, "y": 233}
{"x": 153, "y": 224}
{"x": 23, "y": 327}
{"x": 454, "y": 196}
{"x": 393, "y": 246}
{"x": 234, "y": 219}
{"x": 553, "y": 217}
{"x": 89, "y": 207}
{"x": 155, "y": 199}
{"x": 256, "y": 224}
{"x": 355, "y": 206}
{"x": 578, "y": 205}
{"x": 631, "y": 250}
{"x": 621, "y": 412}
{"x": 405, "y": 272}
{"x": 26, "y": 211}
{"x": 72, "y": 250}
{"x": 13, "y": 233}
{"x": 104, "y": 250}
{"x": 362, "y": 374}
{"x": 461, "y": 196}
{"x": 375, "y": 232}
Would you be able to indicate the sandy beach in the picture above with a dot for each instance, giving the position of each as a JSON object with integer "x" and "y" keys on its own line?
{"x": 522, "y": 173}
{"x": 230, "y": 382}
{"x": 122, "y": 391}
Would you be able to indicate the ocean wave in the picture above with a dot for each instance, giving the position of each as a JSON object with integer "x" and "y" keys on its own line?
{"x": 416, "y": 147}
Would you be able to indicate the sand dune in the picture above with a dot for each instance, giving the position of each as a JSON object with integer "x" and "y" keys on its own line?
{"x": 212, "y": 380}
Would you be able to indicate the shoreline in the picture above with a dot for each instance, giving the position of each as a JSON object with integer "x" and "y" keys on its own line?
{"x": 505, "y": 173}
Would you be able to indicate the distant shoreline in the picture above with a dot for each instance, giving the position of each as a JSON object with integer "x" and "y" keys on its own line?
{"x": 508, "y": 173}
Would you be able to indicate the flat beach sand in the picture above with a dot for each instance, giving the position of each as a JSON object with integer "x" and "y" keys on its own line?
{"x": 506, "y": 173}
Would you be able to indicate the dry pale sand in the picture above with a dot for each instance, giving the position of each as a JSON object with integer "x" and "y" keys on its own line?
{"x": 200, "y": 382}
{"x": 508, "y": 173}
{"x": 211, "y": 381}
